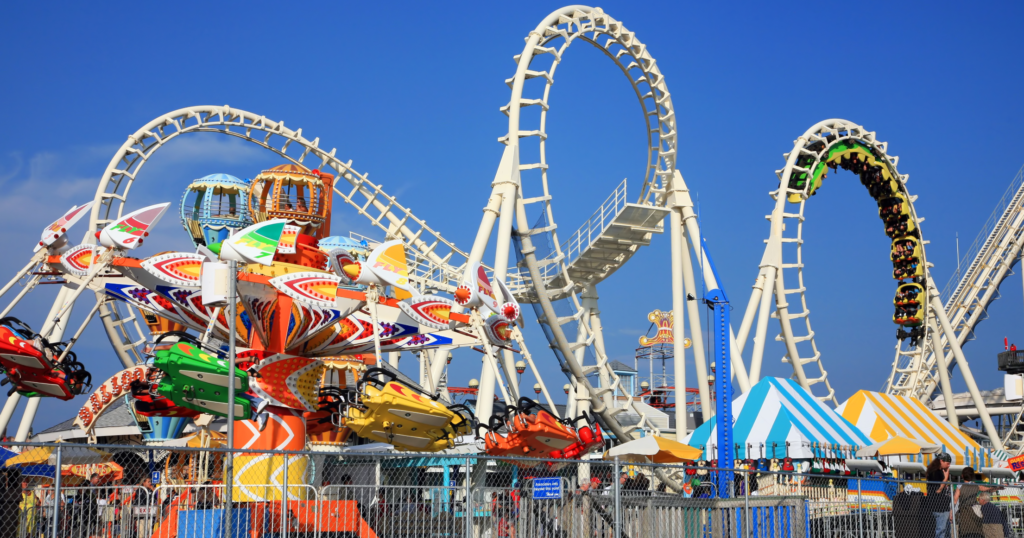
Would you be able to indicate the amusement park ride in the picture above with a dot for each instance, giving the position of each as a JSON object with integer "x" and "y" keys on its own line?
{"x": 316, "y": 314}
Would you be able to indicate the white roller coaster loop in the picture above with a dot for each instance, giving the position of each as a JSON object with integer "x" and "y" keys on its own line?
{"x": 519, "y": 186}
{"x": 913, "y": 372}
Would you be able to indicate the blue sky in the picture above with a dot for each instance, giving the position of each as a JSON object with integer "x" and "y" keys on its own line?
{"x": 411, "y": 94}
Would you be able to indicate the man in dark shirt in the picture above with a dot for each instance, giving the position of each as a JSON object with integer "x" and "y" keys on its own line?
{"x": 939, "y": 499}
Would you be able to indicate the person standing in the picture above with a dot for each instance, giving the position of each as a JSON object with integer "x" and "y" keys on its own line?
{"x": 10, "y": 500}
{"x": 29, "y": 510}
{"x": 89, "y": 508}
{"x": 967, "y": 520}
{"x": 143, "y": 508}
{"x": 993, "y": 523}
{"x": 939, "y": 498}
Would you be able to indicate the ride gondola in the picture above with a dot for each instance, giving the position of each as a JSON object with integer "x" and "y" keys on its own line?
{"x": 392, "y": 412}
{"x": 34, "y": 367}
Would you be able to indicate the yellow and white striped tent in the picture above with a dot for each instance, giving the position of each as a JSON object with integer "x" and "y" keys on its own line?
{"x": 882, "y": 416}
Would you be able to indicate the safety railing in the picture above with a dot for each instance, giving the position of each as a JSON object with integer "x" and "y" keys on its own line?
{"x": 315, "y": 494}
{"x": 966, "y": 263}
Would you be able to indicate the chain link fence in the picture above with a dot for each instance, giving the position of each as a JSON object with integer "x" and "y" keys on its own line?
{"x": 153, "y": 492}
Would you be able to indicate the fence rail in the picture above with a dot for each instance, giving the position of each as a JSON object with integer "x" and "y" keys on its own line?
{"x": 280, "y": 494}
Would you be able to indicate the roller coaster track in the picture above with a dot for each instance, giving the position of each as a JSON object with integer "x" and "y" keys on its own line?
{"x": 967, "y": 295}
{"x": 784, "y": 254}
{"x": 569, "y": 272}
{"x": 438, "y": 262}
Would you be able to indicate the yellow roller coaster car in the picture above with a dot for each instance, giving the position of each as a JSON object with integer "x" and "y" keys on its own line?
{"x": 391, "y": 412}
{"x": 909, "y": 295}
{"x": 905, "y": 249}
{"x": 894, "y": 208}
{"x": 910, "y": 269}
{"x": 909, "y": 316}
{"x": 900, "y": 226}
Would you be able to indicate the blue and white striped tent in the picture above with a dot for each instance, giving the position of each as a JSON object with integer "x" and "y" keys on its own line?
{"x": 780, "y": 411}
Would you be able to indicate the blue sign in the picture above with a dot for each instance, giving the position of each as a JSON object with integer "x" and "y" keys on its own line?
{"x": 155, "y": 476}
{"x": 547, "y": 488}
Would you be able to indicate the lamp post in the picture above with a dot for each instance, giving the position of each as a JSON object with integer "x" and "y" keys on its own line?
{"x": 229, "y": 467}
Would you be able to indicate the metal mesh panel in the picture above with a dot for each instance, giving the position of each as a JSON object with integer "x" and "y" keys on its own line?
{"x": 315, "y": 494}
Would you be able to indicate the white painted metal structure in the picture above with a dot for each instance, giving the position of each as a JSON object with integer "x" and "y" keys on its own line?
{"x": 783, "y": 260}
{"x": 966, "y": 296}
{"x": 569, "y": 271}
{"x": 554, "y": 273}
{"x": 437, "y": 262}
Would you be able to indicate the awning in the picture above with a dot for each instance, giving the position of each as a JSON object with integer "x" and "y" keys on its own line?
{"x": 777, "y": 411}
{"x": 196, "y": 440}
{"x": 657, "y": 449}
{"x": 71, "y": 454}
{"x": 883, "y": 416}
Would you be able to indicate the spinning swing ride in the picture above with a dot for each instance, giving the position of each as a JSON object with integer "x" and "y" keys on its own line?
{"x": 319, "y": 317}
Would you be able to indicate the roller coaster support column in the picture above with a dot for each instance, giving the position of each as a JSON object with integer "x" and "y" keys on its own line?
{"x": 594, "y": 314}
{"x": 685, "y": 205}
{"x": 965, "y": 369}
{"x": 943, "y": 369}
{"x": 678, "y": 307}
{"x": 501, "y": 205}
{"x": 719, "y": 303}
{"x": 678, "y": 199}
{"x": 52, "y": 330}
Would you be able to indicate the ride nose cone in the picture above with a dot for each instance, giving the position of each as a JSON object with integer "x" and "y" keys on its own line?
{"x": 463, "y": 295}
{"x": 352, "y": 270}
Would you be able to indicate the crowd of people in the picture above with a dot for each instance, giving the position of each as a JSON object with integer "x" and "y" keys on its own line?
{"x": 91, "y": 509}
{"x": 969, "y": 506}
{"x": 112, "y": 509}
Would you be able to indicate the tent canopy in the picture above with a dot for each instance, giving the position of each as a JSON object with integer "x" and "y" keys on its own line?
{"x": 71, "y": 454}
{"x": 776, "y": 411}
{"x": 883, "y": 416}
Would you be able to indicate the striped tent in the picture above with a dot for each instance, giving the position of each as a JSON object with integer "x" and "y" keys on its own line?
{"x": 883, "y": 416}
{"x": 778, "y": 411}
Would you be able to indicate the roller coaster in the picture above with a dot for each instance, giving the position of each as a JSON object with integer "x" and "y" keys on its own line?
{"x": 322, "y": 317}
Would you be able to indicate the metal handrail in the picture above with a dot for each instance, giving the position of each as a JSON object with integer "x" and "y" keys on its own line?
{"x": 959, "y": 279}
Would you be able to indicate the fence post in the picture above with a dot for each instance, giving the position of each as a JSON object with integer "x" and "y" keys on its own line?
{"x": 467, "y": 510}
{"x": 56, "y": 497}
{"x": 284, "y": 501}
{"x": 618, "y": 499}
{"x": 860, "y": 508}
{"x": 748, "y": 520}
{"x": 952, "y": 511}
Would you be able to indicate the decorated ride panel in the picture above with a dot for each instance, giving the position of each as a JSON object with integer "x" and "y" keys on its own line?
{"x": 130, "y": 230}
{"x": 176, "y": 268}
{"x": 285, "y": 430}
{"x": 288, "y": 381}
{"x": 77, "y": 260}
{"x": 53, "y": 236}
{"x": 255, "y": 244}
{"x": 281, "y": 322}
{"x": 150, "y": 301}
{"x": 118, "y": 386}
